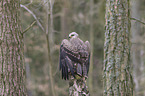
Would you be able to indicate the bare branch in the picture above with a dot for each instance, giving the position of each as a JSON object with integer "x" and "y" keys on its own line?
{"x": 28, "y": 27}
{"x": 137, "y": 20}
{"x": 33, "y": 16}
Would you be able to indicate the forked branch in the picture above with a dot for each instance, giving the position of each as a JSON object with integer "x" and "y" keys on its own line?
{"x": 33, "y": 16}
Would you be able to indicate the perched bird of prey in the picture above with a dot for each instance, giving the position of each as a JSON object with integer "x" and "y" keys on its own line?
{"x": 74, "y": 57}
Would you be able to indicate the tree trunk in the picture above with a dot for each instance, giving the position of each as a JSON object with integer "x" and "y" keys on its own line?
{"x": 65, "y": 18}
{"x": 12, "y": 69}
{"x": 78, "y": 87}
{"x": 64, "y": 22}
{"x": 117, "y": 68}
{"x": 50, "y": 41}
{"x": 136, "y": 47}
{"x": 90, "y": 81}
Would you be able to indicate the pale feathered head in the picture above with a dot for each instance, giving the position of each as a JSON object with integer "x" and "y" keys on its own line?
{"x": 73, "y": 35}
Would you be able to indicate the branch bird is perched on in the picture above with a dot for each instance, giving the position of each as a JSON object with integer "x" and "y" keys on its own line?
{"x": 74, "y": 57}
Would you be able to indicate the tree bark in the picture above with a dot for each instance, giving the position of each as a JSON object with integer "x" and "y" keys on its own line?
{"x": 12, "y": 68}
{"x": 78, "y": 87}
{"x": 117, "y": 66}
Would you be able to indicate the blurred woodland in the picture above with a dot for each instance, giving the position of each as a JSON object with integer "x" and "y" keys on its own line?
{"x": 80, "y": 16}
{"x": 46, "y": 23}
{"x": 87, "y": 18}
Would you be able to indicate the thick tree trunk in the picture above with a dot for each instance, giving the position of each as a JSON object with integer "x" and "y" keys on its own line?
{"x": 12, "y": 69}
{"x": 117, "y": 68}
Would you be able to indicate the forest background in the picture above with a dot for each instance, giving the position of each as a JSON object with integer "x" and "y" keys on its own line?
{"x": 87, "y": 18}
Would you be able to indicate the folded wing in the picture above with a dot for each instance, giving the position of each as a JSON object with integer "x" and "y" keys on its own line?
{"x": 74, "y": 61}
{"x": 67, "y": 58}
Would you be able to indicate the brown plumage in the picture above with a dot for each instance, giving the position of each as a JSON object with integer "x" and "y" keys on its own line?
{"x": 74, "y": 57}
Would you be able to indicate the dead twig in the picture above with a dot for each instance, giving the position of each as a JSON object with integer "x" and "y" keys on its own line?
{"x": 28, "y": 27}
{"x": 137, "y": 20}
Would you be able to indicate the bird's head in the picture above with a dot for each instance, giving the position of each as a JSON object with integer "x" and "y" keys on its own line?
{"x": 73, "y": 35}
